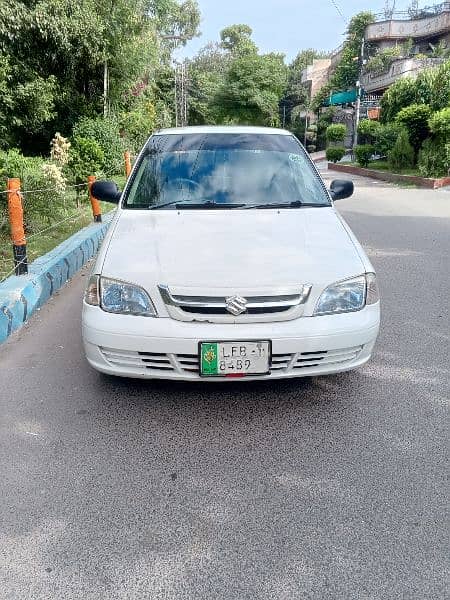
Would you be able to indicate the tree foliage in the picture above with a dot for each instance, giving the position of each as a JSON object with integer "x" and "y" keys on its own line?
{"x": 237, "y": 39}
{"x": 53, "y": 54}
{"x": 336, "y": 132}
{"x": 415, "y": 119}
{"x": 431, "y": 87}
{"x": 347, "y": 70}
{"x": 232, "y": 83}
{"x": 364, "y": 153}
{"x": 401, "y": 155}
{"x": 251, "y": 90}
{"x": 335, "y": 153}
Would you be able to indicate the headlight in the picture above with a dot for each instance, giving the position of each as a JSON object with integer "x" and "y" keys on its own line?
{"x": 348, "y": 296}
{"x": 119, "y": 297}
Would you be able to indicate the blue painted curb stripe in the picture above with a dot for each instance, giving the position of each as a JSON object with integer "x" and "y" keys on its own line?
{"x": 21, "y": 296}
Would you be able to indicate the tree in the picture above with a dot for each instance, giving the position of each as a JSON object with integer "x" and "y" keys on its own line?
{"x": 207, "y": 72}
{"x": 237, "y": 39}
{"x": 415, "y": 120}
{"x": 347, "y": 70}
{"x": 431, "y": 87}
{"x": 402, "y": 93}
{"x": 56, "y": 53}
{"x": 251, "y": 90}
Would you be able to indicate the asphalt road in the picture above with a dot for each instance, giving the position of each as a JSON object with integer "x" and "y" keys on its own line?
{"x": 326, "y": 488}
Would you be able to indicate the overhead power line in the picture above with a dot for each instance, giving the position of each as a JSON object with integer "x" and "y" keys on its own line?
{"x": 339, "y": 11}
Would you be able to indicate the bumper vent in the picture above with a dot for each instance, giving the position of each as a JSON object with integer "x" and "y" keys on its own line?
{"x": 167, "y": 365}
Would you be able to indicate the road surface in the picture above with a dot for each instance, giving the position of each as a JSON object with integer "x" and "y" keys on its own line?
{"x": 326, "y": 488}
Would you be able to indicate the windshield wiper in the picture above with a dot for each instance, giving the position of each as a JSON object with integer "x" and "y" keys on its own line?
{"x": 294, "y": 204}
{"x": 196, "y": 205}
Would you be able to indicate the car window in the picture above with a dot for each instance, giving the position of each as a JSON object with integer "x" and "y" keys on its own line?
{"x": 226, "y": 170}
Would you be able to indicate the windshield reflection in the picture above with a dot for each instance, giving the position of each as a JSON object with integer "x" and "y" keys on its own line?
{"x": 222, "y": 170}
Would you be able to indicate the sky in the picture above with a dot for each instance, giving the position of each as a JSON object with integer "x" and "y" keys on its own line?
{"x": 285, "y": 26}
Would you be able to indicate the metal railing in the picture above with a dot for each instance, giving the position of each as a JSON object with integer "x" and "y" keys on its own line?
{"x": 411, "y": 15}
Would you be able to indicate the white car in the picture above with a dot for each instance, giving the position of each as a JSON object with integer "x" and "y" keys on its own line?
{"x": 226, "y": 258}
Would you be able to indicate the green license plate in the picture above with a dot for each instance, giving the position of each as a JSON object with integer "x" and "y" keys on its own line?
{"x": 234, "y": 359}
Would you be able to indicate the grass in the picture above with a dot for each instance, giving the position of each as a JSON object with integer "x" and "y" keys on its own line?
{"x": 40, "y": 244}
{"x": 383, "y": 165}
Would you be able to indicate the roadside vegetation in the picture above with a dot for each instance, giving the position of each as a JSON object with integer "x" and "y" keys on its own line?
{"x": 413, "y": 136}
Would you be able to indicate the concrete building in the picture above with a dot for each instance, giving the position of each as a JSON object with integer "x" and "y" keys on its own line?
{"x": 316, "y": 75}
{"x": 416, "y": 36}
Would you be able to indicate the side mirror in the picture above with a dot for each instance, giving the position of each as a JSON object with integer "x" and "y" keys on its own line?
{"x": 341, "y": 188}
{"x": 106, "y": 191}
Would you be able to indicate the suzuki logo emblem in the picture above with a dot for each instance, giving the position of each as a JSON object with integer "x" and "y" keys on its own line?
{"x": 236, "y": 305}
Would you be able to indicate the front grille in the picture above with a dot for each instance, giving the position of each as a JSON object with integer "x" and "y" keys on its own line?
{"x": 223, "y": 305}
{"x": 223, "y": 311}
{"x": 188, "y": 364}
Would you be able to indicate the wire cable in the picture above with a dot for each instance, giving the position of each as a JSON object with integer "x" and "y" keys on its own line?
{"x": 339, "y": 11}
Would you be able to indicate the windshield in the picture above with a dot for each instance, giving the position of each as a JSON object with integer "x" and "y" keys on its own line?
{"x": 217, "y": 170}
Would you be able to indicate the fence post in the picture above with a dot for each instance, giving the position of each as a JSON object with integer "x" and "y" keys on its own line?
{"x": 15, "y": 210}
{"x": 127, "y": 163}
{"x": 96, "y": 208}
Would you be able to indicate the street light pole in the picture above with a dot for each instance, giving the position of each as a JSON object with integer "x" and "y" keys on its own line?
{"x": 359, "y": 91}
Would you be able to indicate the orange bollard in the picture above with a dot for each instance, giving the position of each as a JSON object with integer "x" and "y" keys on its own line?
{"x": 127, "y": 163}
{"x": 15, "y": 210}
{"x": 96, "y": 208}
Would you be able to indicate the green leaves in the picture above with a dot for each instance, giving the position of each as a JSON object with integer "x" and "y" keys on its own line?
{"x": 86, "y": 158}
{"x": 336, "y": 132}
{"x": 364, "y": 153}
{"x": 251, "y": 90}
{"x": 415, "y": 119}
{"x": 431, "y": 87}
{"x": 401, "y": 156}
{"x": 52, "y": 54}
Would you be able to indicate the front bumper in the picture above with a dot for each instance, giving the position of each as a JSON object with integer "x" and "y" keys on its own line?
{"x": 164, "y": 348}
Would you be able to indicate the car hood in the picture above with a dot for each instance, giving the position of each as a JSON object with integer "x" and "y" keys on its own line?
{"x": 233, "y": 250}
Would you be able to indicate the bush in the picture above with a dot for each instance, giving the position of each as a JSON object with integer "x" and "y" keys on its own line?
{"x": 383, "y": 59}
{"x": 35, "y": 174}
{"x": 415, "y": 119}
{"x": 386, "y": 137}
{"x": 368, "y": 130}
{"x": 434, "y": 159}
{"x": 325, "y": 119}
{"x": 431, "y": 87}
{"x": 336, "y": 132}
{"x": 335, "y": 153}
{"x": 401, "y": 156}
{"x": 85, "y": 158}
{"x": 439, "y": 124}
{"x": 311, "y": 135}
{"x": 106, "y": 133}
{"x": 364, "y": 153}
{"x": 138, "y": 125}
{"x": 400, "y": 94}
{"x": 440, "y": 93}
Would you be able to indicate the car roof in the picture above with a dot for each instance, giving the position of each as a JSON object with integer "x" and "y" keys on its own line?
{"x": 222, "y": 129}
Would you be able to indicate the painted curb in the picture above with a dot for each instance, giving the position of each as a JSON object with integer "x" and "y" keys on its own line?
{"x": 21, "y": 296}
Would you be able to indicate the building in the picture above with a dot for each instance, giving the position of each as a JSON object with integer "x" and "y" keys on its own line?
{"x": 409, "y": 43}
{"x": 316, "y": 75}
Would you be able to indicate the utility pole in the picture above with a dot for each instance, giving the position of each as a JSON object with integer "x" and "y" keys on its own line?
{"x": 105, "y": 88}
{"x": 359, "y": 92}
{"x": 176, "y": 95}
{"x": 305, "y": 139}
{"x": 181, "y": 95}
